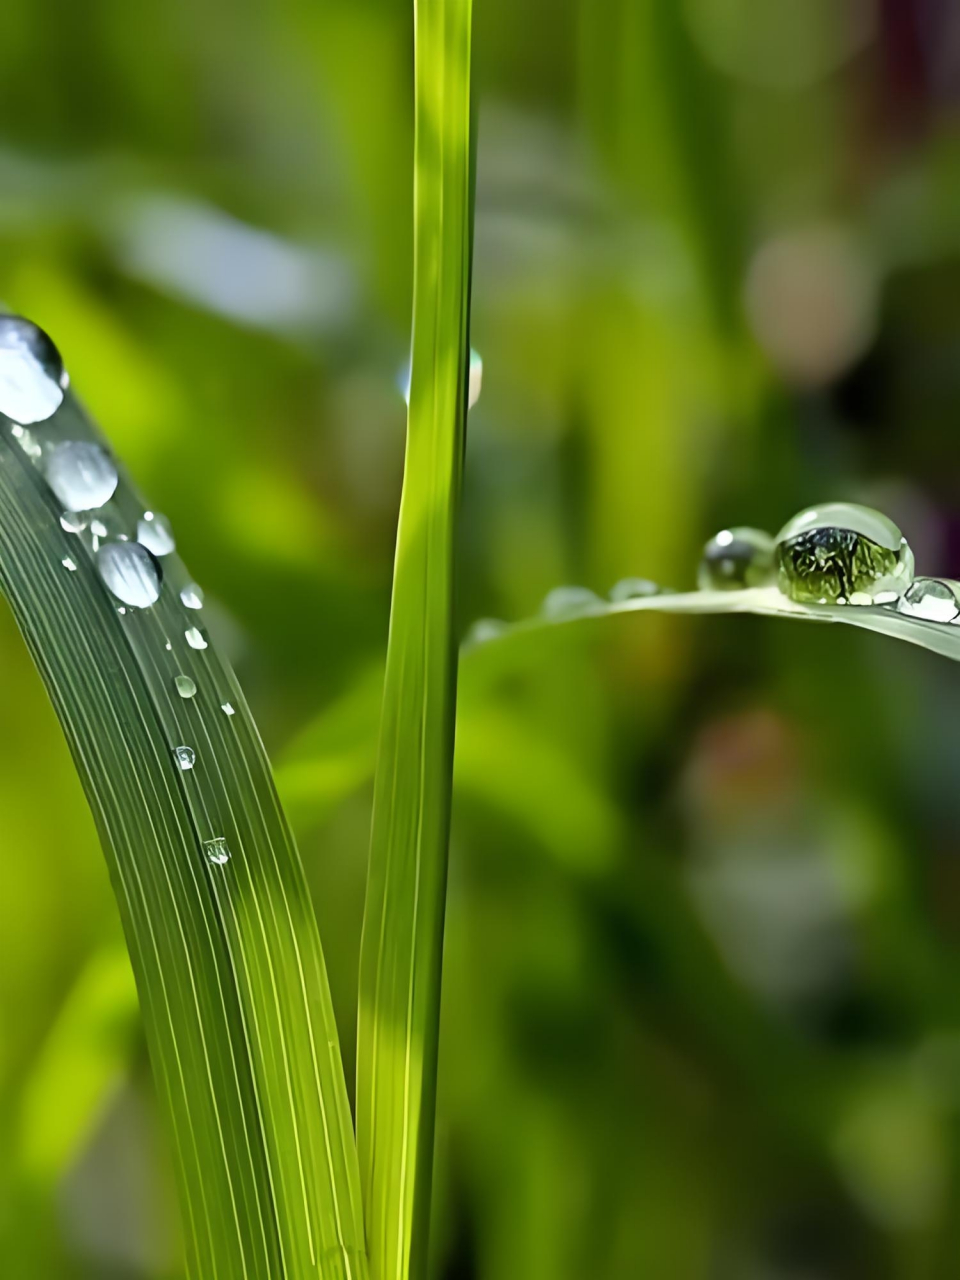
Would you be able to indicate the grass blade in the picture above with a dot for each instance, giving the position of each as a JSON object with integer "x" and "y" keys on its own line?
{"x": 215, "y": 908}
{"x": 938, "y": 637}
{"x": 403, "y": 917}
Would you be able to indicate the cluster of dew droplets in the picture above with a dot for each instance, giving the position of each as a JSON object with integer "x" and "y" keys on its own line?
{"x": 835, "y": 553}
{"x": 84, "y": 478}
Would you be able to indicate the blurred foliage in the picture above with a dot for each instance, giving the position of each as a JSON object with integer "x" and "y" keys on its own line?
{"x": 700, "y": 1012}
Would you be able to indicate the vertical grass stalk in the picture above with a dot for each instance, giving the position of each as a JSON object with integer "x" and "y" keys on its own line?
{"x": 404, "y": 913}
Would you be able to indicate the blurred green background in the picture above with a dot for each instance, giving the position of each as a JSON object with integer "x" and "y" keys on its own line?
{"x": 702, "y": 998}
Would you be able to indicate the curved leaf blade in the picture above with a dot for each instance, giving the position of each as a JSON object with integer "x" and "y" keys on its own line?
{"x": 225, "y": 952}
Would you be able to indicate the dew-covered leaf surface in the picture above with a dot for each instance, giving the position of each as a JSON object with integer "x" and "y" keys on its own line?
{"x": 211, "y": 891}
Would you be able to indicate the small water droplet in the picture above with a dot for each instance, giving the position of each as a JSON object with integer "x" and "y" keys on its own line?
{"x": 633, "y": 589}
{"x": 217, "y": 851}
{"x": 736, "y": 559}
{"x": 68, "y": 564}
{"x": 154, "y": 533}
{"x": 81, "y": 474}
{"x": 476, "y": 378}
{"x": 169, "y": 647}
{"x": 27, "y": 442}
{"x": 185, "y": 686}
{"x": 841, "y": 551}
{"x": 930, "y": 598}
{"x": 227, "y": 709}
{"x": 567, "y": 602}
{"x": 73, "y": 521}
{"x": 185, "y": 757}
{"x": 195, "y": 638}
{"x": 485, "y": 629}
{"x": 192, "y": 596}
{"x": 32, "y": 377}
{"x": 130, "y": 572}
{"x": 122, "y": 612}
{"x": 475, "y": 385}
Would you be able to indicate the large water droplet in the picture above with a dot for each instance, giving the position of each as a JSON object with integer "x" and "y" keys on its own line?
{"x": 185, "y": 686}
{"x": 567, "y": 602}
{"x": 841, "y": 553}
{"x": 185, "y": 757}
{"x": 81, "y": 474}
{"x": 154, "y": 533}
{"x": 32, "y": 377}
{"x": 130, "y": 572}
{"x": 195, "y": 638}
{"x": 930, "y": 598}
{"x": 217, "y": 851}
{"x": 192, "y": 596}
{"x": 736, "y": 559}
{"x": 633, "y": 589}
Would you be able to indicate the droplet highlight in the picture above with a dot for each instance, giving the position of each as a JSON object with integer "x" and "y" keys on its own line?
{"x": 227, "y": 709}
{"x": 195, "y": 639}
{"x": 154, "y": 533}
{"x": 185, "y": 757}
{"x": 842, "y": 553}
{"x": 81, "y": 474}
{"x": 69, "y": 564}
{"x": 738, "y": 558}
{"x": 32, "y": 376}
{"x": 931, "y": 599}
{"x": 130, "y": 572}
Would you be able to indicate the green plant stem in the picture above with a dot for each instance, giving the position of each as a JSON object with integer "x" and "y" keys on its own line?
{"x": 403, "y": 920}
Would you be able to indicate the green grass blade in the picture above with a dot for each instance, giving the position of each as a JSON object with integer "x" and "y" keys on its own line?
{"x": 403, "y": 918}
{"x": 938, "y": 637}
{"x": 225, "y": 953}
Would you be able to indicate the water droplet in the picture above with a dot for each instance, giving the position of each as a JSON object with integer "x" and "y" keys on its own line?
{"x": 930, "y": 598}
{"x": 73, "y": 521}
{"x": 32, "y": 377}
{"x": 154, "y": 533}
{"x": 476, "y": 378}
{"x": 227, "y": 709}
{"x": 475, "y": 385}
{"x": 567, "y": 602}
{"x": 81, "y": 474}
{"x": 169, "y": 647}
{"x": 195, "y": 638}
{"x": 217, "y": 851}
{"x": 130, "y": 572}
{"x": 736, "y": 559}
{"x": 185, "y": 686}
{"x": 840, "y": 552}
{"x": 68, "y": 564}
{"x": 633, "y": 589}
{"x": 485, "y": 629}
{"x": 185, "y": 757}
{"x": 192, "y": 596}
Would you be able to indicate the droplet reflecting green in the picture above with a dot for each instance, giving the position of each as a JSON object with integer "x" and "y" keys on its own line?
{"x": 841, "y": 553}
{"x": 736, "y": 559}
